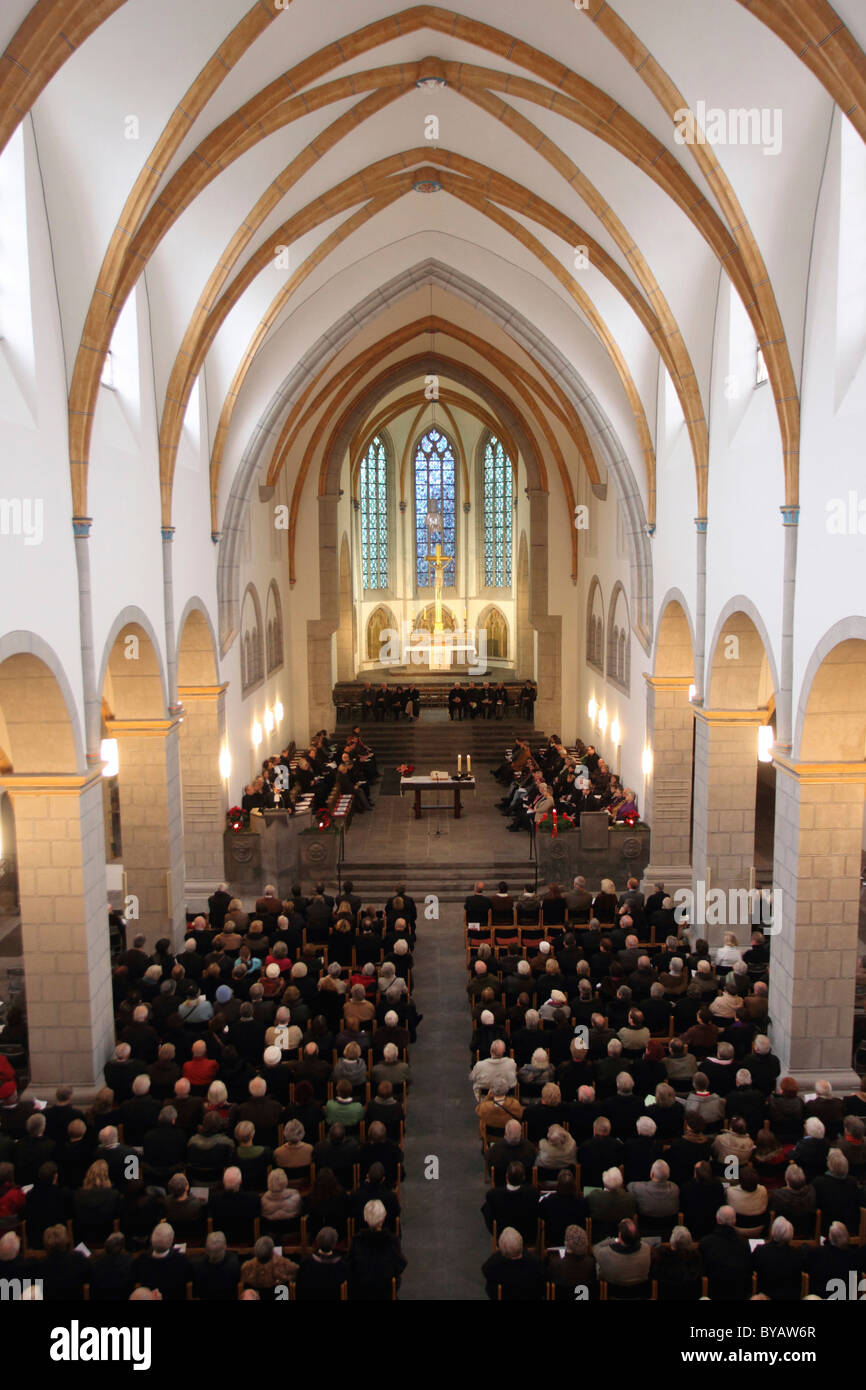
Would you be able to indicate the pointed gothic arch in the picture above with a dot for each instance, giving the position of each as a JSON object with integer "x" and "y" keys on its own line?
{"x": 494, "y": 623}
{"x": 379, "y": 620}
{"x": 595, "y": 626}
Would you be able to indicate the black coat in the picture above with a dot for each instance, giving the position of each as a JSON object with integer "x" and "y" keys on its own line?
{"x": 521, "y": 1280}
{"x": 518, "y": 1208}
{"x": 170, "y": 1274}
{"x": 320, "y": 1280}
{"x": 727, "y": 1264}
{"x": 217, "y": 1282}
{"x": 112, "y": 1277}
{"x": 374, "y": 1260}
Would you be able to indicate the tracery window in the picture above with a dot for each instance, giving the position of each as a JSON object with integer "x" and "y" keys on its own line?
{"x": 434, "y": 488}
{"x": 498, "y": 492}
{"x": 374, "y": 516}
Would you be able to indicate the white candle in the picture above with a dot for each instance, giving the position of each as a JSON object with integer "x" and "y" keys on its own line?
{"x": 459, "y": 762}
{"x": 468, "y": 762}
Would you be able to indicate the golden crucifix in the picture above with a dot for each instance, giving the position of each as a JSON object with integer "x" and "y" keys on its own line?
{"x": 439, "y": 561}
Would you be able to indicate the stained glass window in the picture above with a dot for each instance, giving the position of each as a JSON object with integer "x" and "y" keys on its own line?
{"x": 498, "y": 493}
{"x": 374, "y": 516}
{"x": 434, "y": 485}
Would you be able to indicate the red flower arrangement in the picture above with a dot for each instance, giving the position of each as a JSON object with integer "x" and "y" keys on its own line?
{"x": 323, "y": 819}
{"x": 237, "y": 819}
{"x": 406, "y": 769}
{"x": 557, "y": 817}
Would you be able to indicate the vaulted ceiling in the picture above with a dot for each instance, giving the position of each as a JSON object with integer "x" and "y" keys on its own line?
{"x": 269, "y": 167}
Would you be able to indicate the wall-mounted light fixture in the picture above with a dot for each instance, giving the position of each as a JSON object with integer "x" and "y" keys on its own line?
{"x": 110, "y": 756}
{"x": 765, "y": 743}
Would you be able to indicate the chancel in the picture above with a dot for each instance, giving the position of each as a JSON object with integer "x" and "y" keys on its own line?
{"x": 432, "y": 655}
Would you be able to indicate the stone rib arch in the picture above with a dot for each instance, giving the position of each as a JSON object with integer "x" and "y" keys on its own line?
{"x": 206, "y": 667}
{"x": 22, "y": 643}
{"x": 739, "y": 604}
{"x": 676, "y": 597}
{"x": 132, "y": 616}
{"x": 849, "y": 629}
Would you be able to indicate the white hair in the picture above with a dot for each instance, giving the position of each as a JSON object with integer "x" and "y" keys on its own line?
{"x": 814, "y": 1127}
{"x": 612, "y": 1179}
{"x": 374, "y": 1214}
{"x": 781, "y": 1231}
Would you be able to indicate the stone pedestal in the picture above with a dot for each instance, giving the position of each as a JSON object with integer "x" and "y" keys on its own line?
{"x": 151, "y": 824}
{"x": 816, "y": 887}
{"x": 726, "y": 763}
{"x": 623, "y": 854}
{"x": 269, "y": 852}
{"x": 319, "y": 853}
{"x": 61, "y": 878}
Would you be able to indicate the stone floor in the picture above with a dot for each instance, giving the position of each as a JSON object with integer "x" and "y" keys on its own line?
{"x": 445, "y": 1239}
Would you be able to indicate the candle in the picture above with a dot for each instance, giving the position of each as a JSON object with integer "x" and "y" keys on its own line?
{"x": 468, "y": 762}
{"x": 459, "y": 762}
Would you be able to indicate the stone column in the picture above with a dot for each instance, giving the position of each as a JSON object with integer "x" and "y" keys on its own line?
{"x": 203, "y": 796}
{"x": 549, "y": 705}
{"x": 723, "y": 817}
{"x": 320, "y": 631}
{"x": 64, "y": 925}
{"x": 667, "y": 798}
{"x": 151, "y": 823}
{"x": 816, "y": 910}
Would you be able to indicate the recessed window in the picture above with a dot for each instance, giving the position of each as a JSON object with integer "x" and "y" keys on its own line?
{"x": 107, "y": 378}
{"x": 761, "y": 373}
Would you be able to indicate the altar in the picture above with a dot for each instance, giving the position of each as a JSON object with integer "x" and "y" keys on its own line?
{"x": 420, "y": 785}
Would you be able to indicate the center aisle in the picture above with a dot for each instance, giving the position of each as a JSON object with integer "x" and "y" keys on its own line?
{"x": 445, "y": 1239}
{"x": 444, "y": 1232}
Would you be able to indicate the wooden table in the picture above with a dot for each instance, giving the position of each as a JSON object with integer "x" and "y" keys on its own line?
{"x": 418, "y": 785}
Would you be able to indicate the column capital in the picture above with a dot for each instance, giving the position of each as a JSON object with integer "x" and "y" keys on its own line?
{"x": 140, "y": 728}
{"x": 732, "y": 717}
{"x": 790, "y": 516}
{"x": 81, "y": 526}
{"x": 201, "y": 692}
{"x": 701, "y": 523}
{"x": 49, "y": 783}
{"x": 167, "y": 533}
{"x": 669, "y": 682}
{"x": 816, "y": 773}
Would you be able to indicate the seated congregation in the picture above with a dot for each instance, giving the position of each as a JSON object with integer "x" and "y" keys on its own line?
{"x": 248, "y": 1141}
{"x": 638, "y": 1138}
{"x": 554, "y": 778}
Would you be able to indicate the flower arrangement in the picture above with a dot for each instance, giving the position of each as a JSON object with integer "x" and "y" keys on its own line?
{"x": 323, "y": 819}
{"x": 406, "y": 769}
{"x": 237, "y": 819}
{"x": 559, "y": 820}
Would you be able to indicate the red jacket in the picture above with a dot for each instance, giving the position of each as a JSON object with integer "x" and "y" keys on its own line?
{"x": 200, "y": 1071}
{"x": 12, "y": 1201}
{"x": 8, "y": 1081}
